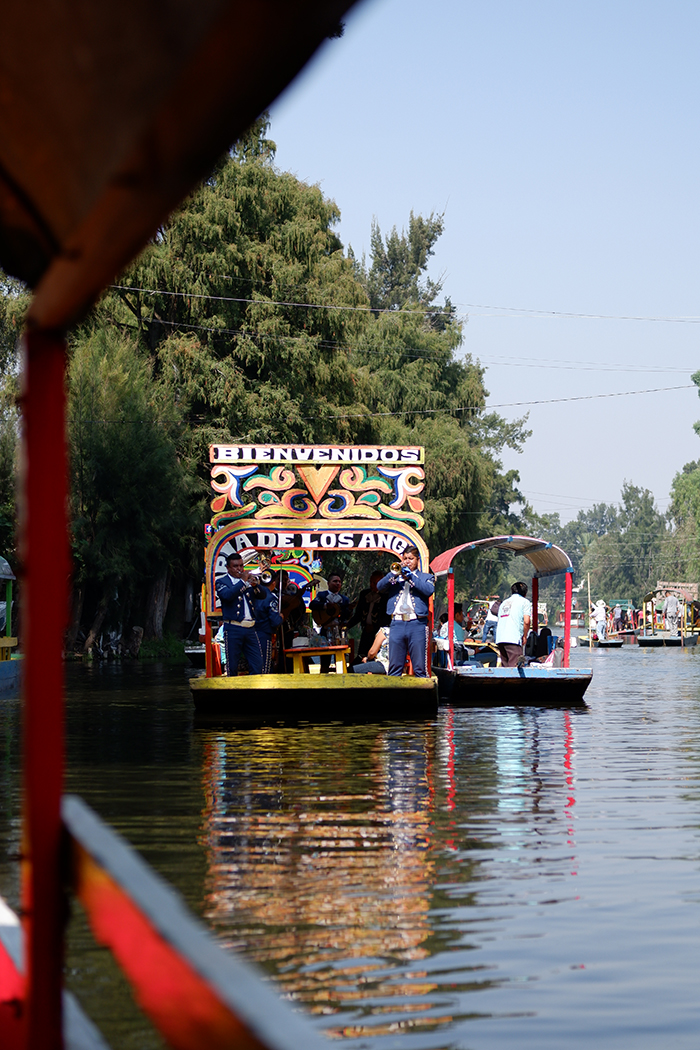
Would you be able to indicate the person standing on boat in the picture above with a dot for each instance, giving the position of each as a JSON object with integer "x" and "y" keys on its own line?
{"x": 671, "y": 612}
{"x": 617, "y": 618}
{"x": 491, "y": 620}
{"x": 331, "y": 611}
{"x": 599, "y": 616}
{"x": 408, "y": 593}
{"x": 513, "y": 627}
{"x": 331, "y": 608}
{"x": 267, "y": 619}
{"x": 235, "y": 591}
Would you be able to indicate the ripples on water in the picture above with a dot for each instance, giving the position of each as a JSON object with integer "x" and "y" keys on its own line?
{"x": 494, "y": 879}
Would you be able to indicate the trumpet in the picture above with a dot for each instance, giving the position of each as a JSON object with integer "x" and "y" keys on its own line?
{"x": 262, "y": 574}
{"x": 395, "y": 568}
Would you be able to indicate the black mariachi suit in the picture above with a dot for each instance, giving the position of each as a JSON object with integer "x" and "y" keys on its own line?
{"x": 408, "y": 636}
{"x": 267, "y": 618}
{"x": 234, "y": 595}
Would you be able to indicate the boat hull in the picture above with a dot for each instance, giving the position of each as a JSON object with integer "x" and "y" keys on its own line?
{"x": 608, "y": 643}
{"x": 658, "y": 641}
{"x": 532, "y": 686}
{"x": 197, "y": 655}
{"x": 255, "y": 698}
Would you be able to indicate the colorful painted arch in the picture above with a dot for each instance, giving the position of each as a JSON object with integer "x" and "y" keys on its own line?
{"x": 321, "y": 535}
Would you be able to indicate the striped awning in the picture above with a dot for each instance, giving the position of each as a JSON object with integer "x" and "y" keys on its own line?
{"x": 546, "y": 559}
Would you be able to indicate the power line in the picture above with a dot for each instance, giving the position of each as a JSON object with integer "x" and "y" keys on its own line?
{"x": 416, "y": 353}
{"x": 525, "y": 311}
{"x": 510, "y": 404}
{"x": 272, "y": 302}
{"x": 534, "y": 362}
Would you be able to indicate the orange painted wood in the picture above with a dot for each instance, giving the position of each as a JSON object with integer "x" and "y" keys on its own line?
{"x": 216, "y": 659}
{"x": 197, "y": 995}
{"x": 179, "y": 1002}
{"x": 12, "y": 992}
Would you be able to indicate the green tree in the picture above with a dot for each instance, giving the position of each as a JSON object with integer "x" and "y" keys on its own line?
{"x": 681, "y": 559}
{"x": 396, "y": 278}
{"x": 246, "y": 321}
{"x": 625, "y": 561}
{"x": 13, "y": 303}
{"x": 130, "y": 491}
{"x": 221, "y": 301}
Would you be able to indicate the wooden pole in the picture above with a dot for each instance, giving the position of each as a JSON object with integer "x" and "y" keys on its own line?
{"x": 46, "y": 566}
{"x": 590, "y": 628}
{"x": 682, "y": 622}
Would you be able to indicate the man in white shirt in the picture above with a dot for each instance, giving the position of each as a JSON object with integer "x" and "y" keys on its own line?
{"x": 491, "y": 620}
{"x": 514, "y": 618}
{"x": 672, "y": 608}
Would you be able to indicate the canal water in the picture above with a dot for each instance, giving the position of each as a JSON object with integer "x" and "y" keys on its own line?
{"x": 491, "y": 879}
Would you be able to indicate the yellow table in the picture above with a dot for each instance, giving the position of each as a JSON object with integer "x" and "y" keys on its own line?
{"x": 301, "y": 665}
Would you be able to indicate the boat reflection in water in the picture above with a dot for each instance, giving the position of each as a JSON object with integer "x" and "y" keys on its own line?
{"x": 337, "y": 856}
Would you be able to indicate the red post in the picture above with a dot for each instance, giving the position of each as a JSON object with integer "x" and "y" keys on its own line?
{"x": 451, "y": 612}
{"x": 535, "y": 603}
{"x": 568, "y": 594}
{"x": 46, "y": 567}
{"x": 208, "y": 657}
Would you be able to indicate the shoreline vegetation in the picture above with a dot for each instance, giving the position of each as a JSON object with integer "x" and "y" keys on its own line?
{"x": 245, "y": 320}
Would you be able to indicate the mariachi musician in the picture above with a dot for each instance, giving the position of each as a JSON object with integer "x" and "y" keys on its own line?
{"x": 235, "y": 590}
{"x": 331, "y": 608}
{"x": 267, "y": 617}
{"x": 409, "y": 592}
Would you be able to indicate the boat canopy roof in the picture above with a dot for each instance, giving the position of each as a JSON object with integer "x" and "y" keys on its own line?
{"x": 546, "y": 559}
{"x": 112, "y": 113}
{"x": 661, "y": 592}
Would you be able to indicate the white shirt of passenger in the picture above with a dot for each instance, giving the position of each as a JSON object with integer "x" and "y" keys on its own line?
{"x": 511, "y": 619}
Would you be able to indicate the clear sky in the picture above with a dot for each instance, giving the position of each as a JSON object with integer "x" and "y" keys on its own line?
{"x": 561, "y": 142}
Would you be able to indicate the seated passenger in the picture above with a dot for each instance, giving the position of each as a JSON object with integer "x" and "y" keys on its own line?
{"x": 377, "y": 659}
{"x": 458, "y": 632}
{"x": 542, "y": 644}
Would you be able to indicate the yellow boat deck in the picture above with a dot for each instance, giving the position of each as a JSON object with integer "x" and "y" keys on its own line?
{"x": 330, "y": 696}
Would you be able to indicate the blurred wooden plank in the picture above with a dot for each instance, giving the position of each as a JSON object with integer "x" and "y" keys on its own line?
{"x": 79, "y": 1033}
{"x": 197, "y": 995}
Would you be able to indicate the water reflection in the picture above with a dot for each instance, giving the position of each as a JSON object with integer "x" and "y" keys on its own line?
{"x": 341, "y": 858}
{"x": 494, "y": 879}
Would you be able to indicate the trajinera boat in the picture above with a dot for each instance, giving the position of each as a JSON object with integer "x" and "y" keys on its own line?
{"x": 653, "y": 632}
{"x": 534, "y": 685}
{"x": 281, "y": 507}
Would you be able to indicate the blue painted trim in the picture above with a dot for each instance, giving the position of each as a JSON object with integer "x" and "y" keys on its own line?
{"x": 551, "y": 572}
